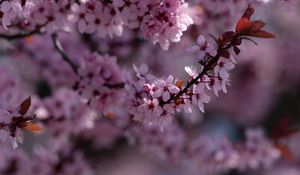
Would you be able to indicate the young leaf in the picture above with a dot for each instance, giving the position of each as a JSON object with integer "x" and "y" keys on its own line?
{"x": 236, "y": 50}
{"x": 224, "y": 53}
{"x": 242, "y": 26}
{"x": 179, "y": 84}
{"x": 226, "y": 37}
{"x": 245, "y": 27}
{"x": 32, "y": 127}
{"x": 257, "y": 25}
{"x": 24, "y": 106}
{"x": 285, "y": 152}
{"x": 261, "y": 34}
{"x": 248, "y": 12}
{"x": 283, "y": 129}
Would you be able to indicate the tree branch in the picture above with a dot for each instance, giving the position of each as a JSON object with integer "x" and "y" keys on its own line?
{"x": 20, "y": 35}
{"x": 65, "y": 57}
{"x": 60, "y": 49}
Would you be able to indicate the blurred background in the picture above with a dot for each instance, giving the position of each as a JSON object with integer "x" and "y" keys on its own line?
{"x": 264, "y": 92}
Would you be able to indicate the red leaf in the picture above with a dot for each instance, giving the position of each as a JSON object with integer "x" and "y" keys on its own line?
{"x": 257, "y": 25}
{"x": 179, "y": 84}
{"x": 237, "y": 42}
{"x": 284, "y": 133}
{"x": 226, "y": 37}
{"x": 282, "y": 129}
{"x": 236, "y": 50}
{"x": 24, "y": 106}
{"x": 261, "y": 34}
{"x": 248, "y": 12}
{"x": 243, "y": 26}
{"x": 285, "y": 152}
{"x": 224, "y": 53}
{"x": 33, "y": 127}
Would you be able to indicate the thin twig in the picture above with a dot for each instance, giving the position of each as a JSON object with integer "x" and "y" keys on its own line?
{"x": 206, "y": 68}
{"x": 20, "y": 35}
{"x": 92, "y": 45}
{"x": 65, "y": 57}
{"x": 195, "y": 80}
{"x": 60, "y": 49}
{"x": 115, "y": 86}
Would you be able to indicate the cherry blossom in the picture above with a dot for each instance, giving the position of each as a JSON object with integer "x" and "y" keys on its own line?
{"x": 202, "y": 47}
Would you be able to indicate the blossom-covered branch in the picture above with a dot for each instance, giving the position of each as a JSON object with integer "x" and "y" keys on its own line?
{"x": 159, "y": 99}
{"x": 244, "y": 29}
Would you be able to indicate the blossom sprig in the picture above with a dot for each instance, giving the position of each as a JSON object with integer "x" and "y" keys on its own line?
{"x": 159, "y": 99}
{"x": 23, "y": 34}
{"x": 227, "y": 40}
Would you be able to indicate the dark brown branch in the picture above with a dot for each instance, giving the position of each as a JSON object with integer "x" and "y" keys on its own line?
{"x": 107, "y": 1}
{"x": 60, "y": 49}
{"x": 115, "y": 86}
{"x": 91, "y": 44}
{"x": 206, "y": 68}
{"x": 38, "y": 30}
{"x": 20, "y": 35}
{"x": 74, "y": 67}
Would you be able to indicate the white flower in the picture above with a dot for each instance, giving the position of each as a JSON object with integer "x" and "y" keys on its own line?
{"x": 202, "y": 47}
{"x": 200, "y": 96}
{"x": 223, "y": 67}
{"x": 165, "y": 88}
{"x": 191, "y": 71}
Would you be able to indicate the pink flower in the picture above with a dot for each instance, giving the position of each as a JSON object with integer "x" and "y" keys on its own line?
{"x": 224, "y": 66}
{"x": 164, "y": 88}
{"x": 8, "y": 14}
{"x": 217, "y": 84}
{"x": 199, "y": 96}
{"x": 258, "y": 151}
{"x": 202, "y": 47}
{"x": 191, "y": 71}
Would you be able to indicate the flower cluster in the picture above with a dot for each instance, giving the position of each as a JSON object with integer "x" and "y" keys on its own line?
{"x": 59, "y": 159}
{"x": 147, "y": 96}
{"x": 204, "y": 153}
{"x": 167, "y": 145}
{"x": 215, "y": 156}
{"x": 32, "y": 15}
{"x": 159, "y": 21}
{"x": 258, "y": 151}
{"x": 97, "y": 16}
{"x": 100, "y": 81}
{"x": 65, "y": 113}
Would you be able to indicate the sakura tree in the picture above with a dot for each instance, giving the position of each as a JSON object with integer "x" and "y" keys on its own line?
{"x": 149, "y": 87}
